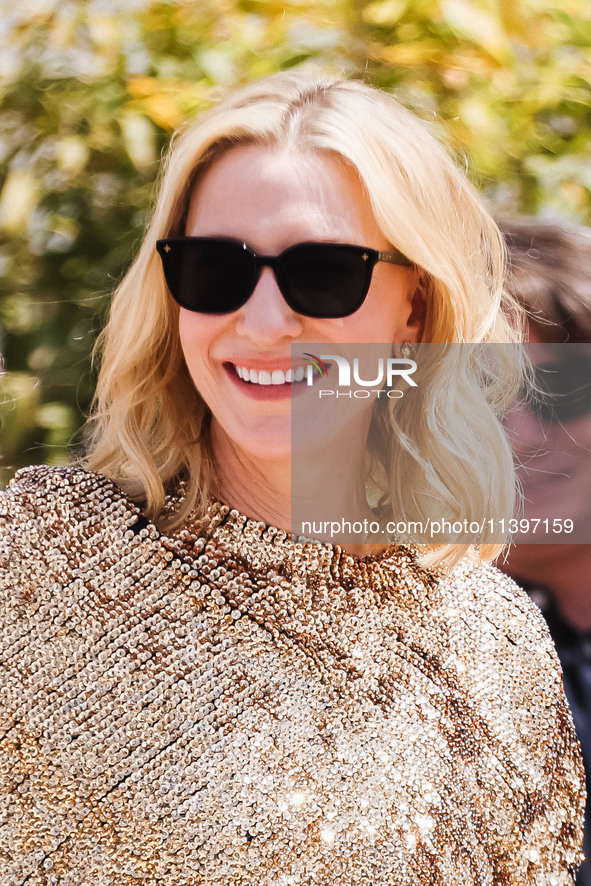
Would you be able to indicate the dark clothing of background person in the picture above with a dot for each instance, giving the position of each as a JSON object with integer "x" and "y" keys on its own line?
{"x": 574, "y": 651}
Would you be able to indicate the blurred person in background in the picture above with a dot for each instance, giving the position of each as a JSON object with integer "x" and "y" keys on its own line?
{"x": 550, "y": 275}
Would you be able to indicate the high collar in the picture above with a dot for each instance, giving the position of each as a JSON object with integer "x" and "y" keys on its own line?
{"x": 259, "y": 568}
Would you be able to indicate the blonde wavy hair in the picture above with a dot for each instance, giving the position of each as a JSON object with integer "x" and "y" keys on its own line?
{"x": 150, "y": 425}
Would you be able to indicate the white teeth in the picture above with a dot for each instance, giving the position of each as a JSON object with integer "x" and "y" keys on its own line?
{"x": 266, "y": 377}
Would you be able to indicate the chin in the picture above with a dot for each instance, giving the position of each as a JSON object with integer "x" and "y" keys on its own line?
{"x": 266, "y": 440}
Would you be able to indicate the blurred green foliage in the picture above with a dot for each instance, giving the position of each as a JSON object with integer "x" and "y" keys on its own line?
{"x": 90, "y": 91}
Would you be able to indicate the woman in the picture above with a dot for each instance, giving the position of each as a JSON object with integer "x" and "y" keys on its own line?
{"x": 193, "y": 696}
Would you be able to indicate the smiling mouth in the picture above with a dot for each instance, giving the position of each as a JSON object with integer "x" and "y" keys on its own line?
{"x": 273, "y": 377}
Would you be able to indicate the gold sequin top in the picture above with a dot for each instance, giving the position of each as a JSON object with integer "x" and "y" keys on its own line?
{"x": 223, "y": 706}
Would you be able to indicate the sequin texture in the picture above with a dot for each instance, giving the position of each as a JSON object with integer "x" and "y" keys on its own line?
{"x": 225, "y": 706}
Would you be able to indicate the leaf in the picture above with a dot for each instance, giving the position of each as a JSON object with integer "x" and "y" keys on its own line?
{"x": 415, "y": 53}
{"x": 467, "y": 19}
{"x": 140, "y": 141}
{"x": 72, "y": 154}
{"x": 384, "y": 12}
{"x": 18, "y": 199}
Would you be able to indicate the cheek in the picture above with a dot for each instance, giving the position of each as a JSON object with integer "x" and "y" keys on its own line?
{"x": 197, "y": 334}
{"x": 552, "y": 457}
{"x": 388, "y": 303}
{"x": 383, "y": 316}
{"x": 580, "y": 431}
{"x": 190, "y": 329}
{"x": 525, "y": 431}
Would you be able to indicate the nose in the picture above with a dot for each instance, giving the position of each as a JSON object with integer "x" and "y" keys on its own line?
{"x": 266, "y": 317}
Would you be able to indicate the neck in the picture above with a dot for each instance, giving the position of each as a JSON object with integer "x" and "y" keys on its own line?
{"x": 262, "y": 492}
{"x": 565, "y": 570}
{"x": 298, "y": 495}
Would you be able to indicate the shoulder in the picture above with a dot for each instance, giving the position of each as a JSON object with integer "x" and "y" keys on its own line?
{"x": 503, "y": 655}
{"x": 500, "y": 633}
{"x": 60, "y": 527}
{"x": 481, "y": 654}
{"x": 53, "y": 494}
{"x": 46, "y": 509}
{"x": 495, "y": 605}
{"x": 41, "y": 484}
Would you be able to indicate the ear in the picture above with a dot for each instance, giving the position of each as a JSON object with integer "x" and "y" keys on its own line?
{"x": 415, "y": 323}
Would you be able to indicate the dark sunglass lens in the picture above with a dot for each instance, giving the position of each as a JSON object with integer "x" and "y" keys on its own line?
{"x": 207, "y": 275}
{"x": 325, "y": 279}
{"x": 565, "y": 385}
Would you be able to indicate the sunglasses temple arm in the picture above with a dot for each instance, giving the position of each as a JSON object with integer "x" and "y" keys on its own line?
{"x": 394, "y": 258}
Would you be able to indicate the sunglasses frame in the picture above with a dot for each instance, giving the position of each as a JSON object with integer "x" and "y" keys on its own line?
{"x": 171, "y": 246}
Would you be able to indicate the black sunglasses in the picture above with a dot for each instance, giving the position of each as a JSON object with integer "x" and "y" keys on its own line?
{"x": 564, "y": 384}
{"x": 213, "y": 275}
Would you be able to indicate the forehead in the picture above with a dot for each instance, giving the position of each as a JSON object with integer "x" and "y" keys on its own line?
{"x": 274, "y": 196}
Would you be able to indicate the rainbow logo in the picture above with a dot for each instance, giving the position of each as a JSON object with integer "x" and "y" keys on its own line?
{"x": 315, "y": 363}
